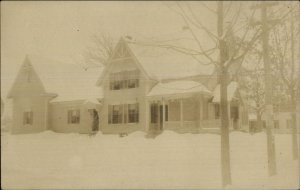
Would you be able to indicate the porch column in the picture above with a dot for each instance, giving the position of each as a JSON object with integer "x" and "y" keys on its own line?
{"x": 164, "y": 113}
{"x": 158, "y": 115}
{"x": 181, "y": 113}
{"x": 200, "y": 111}
{"x": 147, "y": 115}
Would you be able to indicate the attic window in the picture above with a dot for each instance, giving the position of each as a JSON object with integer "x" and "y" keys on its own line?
{"x": 124, "y": 80}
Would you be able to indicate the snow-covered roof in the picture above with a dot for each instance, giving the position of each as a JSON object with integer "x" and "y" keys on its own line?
{"x": 69, "y": 81}
{"x": 231, "y": 89}
{"x": 178, "y": 88}
{"x": 165, "y": 63}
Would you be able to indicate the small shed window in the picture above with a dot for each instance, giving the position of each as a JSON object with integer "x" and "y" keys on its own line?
{"x": 28, "y": 118}
{"x": 74, "y": 116}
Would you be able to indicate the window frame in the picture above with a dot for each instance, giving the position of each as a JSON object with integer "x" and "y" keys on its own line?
{"x": 28, "y": 120}
{"x": 73, "y": 116}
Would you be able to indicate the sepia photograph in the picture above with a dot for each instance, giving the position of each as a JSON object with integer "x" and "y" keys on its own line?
{"x": 150, "y": 95}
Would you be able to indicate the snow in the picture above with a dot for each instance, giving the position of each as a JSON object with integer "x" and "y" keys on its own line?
{"x": 178, "y": 87}
{"x": 173, "y": 161}
{"x": 231, "y": 89}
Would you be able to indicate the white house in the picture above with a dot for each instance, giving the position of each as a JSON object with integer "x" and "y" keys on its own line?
{"x": 141, "y": 88}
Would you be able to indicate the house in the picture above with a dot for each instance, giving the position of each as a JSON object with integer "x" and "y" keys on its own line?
{"x": 48, "y": 94}
{"x": 282, "y": 121}
{"x": 142, "y": 88}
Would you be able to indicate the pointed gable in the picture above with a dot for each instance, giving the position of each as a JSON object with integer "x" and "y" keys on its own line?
{"x": 122, "y": 54}
{"x": 121, "y": 51}
{"x": 27, "y": 81}
{"x": 63, "y": 80}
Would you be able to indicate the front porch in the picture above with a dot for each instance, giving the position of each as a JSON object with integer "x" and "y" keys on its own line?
{"x": 185, "y": 115}
{"x": 188, "y": 107}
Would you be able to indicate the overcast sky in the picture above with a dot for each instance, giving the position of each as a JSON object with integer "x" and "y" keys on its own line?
{"x": 63, "y": 30}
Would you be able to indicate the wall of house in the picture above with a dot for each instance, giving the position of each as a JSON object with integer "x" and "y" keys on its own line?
{"x": 28, "y": 94}
{"x": 124, "y": 96}
{"x": 58, "y": 115}
{"x": 36, "y": 104}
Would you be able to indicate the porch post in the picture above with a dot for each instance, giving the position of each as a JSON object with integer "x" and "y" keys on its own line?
{"x": 164, "y": 113}
{"x": 147, "y": 115}
{"x": 181, "y": 113}
{"x": 200, "y": 111}
{"x": 158, "y": 114}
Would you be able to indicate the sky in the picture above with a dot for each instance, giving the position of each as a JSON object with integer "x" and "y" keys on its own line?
{"x": 62, "y": 30}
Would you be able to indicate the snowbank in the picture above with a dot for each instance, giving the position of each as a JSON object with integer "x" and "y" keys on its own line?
{"x": 51, "y": 160}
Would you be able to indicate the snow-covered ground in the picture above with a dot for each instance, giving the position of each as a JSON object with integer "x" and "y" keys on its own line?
{"x": 50, "y": 160}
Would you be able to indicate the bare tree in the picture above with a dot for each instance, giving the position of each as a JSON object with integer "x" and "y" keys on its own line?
{"x": 230, "y": 49}
{"x": 99, "y": 52}
{"x": 231, "y": 44}
{"x": 284, "y": 38}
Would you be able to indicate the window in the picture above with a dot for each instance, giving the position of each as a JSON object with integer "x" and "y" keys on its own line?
{"x": 133, "y": 113}
{"x": 28, "y": 118}
{"x": 124, "y": 80}
{"x": 124, "y": 113}
{"x": 133, "y": 83}
{"x": 117, "y": 113}
{"x": 217, "y": 111}
{"x": 74, "y": 116}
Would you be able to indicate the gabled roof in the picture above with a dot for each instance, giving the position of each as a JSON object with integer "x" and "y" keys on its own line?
{"x": 68, "y": 80}
{"x": 231, "y": 91}
{"x": 178, "y": 88}
{"x": 129, "y": 54}
{"x": 160, "y": 63}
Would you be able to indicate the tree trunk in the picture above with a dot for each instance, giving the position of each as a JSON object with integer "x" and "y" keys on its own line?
{"x": 294, "y": 136}
{"x": 259, "y": 121}
{"x": 225, "y": 150}
{"x": 294, "y": 130}
{"x": 268, "y": 96}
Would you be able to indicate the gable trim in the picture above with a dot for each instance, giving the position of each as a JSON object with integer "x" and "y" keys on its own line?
{"x": 111, "y": 61}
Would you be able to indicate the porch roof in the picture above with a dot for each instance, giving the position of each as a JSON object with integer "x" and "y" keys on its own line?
{"x": 178, "y": 89}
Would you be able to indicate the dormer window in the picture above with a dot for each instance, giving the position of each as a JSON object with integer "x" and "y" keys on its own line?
{"x": 124, "y": 80}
